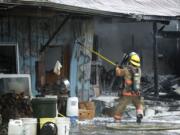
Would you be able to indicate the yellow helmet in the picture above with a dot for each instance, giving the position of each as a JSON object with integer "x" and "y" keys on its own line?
{"x": 134, "y": 59}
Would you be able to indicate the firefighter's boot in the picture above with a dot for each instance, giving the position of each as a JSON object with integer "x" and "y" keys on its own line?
{"x": 139, "y": 118}
{"x": 117, "y": 118}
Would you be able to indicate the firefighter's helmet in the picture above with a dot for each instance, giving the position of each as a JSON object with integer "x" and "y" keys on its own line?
{"x": 134, "y": 59}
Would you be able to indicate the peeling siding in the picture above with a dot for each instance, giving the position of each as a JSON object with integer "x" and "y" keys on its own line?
{"x": 30, "y": 34}
{"x": 80, "y": 71}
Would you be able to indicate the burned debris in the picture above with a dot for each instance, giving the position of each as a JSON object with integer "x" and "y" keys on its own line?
{"x": 14, "y": 106}
{"x": 168, "y": 87}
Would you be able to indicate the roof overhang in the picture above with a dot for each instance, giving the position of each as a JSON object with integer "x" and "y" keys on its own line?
{"x": 68, "y": 7}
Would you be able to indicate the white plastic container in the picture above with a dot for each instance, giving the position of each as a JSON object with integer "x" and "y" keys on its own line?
{"x": 15, "y": 127}
{"x": 63, "y": 125}
{"x": 72, "y": 107}
{"x": 29, "y": 126}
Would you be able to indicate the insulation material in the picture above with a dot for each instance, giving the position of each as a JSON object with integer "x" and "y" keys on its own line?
{"x": 57, "y": 68}
{"x": 140, "y": 7}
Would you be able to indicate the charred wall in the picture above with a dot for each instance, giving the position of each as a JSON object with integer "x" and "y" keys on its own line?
{"x": 116, "y": 37}
{"x": 31, "y": 33}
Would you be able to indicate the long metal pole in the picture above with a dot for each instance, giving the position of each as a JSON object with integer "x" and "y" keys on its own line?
{"x": 98, "y": 54}
{"x": 155, "y": 60}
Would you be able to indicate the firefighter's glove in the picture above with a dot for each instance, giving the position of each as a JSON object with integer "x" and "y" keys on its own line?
{"x": 117, "y": 65}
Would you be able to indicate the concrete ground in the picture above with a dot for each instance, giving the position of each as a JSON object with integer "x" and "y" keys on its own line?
{"x": 155, "y": 113}
{"x": 85, "y": 130}
{"x": 98, "y": 126}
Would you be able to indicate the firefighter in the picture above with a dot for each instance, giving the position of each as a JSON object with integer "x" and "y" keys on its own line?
{"x": 130, "y": 93}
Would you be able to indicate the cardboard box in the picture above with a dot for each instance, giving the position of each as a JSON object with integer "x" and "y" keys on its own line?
{"x": 86, "y": 114}
{"x": 86, "y": 110}
{"x": 87, "y": 105}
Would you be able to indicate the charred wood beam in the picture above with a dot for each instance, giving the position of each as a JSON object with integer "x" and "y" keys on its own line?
{"x": 163, "y": 102}
{"x": 159, "y": 30}
{"x": 155, "y": 60}
{"x": 174, "y": 81}
{"x": 169, "y": 34}
{"x": 152, "y": 98}
{"x": 55, "y": 33}
{"x": 151, "y": 18}
{"x": 30, "y": 40}
{"x": 31, "y": 11}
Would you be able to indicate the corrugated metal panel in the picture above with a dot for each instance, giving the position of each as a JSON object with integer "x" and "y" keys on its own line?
{"x": 140, "y": 7}
{"x": 143, "y": 7}
{"x": 169, "y": 8}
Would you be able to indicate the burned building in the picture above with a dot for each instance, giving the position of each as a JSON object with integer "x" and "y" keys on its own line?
{"x": 35, "y": 34}
{"x": 47, "y": 31}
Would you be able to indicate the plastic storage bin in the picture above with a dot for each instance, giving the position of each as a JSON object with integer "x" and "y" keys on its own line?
{"x": 44, "y": 107}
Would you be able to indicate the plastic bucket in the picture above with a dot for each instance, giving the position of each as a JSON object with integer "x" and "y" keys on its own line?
{"x": 29, "y": 126}
{"x": 63, "y": 125}
{"x": 47, "y": 126}
{"x": 15, "y": 127}
{"x": 72, "y": 107}
{"x": 44, "y": 107}
{"x": 42, "y": 121}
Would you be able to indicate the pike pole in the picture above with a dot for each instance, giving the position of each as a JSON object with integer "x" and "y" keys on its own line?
{"x": 98, "y": 54}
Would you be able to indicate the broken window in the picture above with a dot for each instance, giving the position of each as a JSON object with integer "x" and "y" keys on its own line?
{"x": 9, "y": 63}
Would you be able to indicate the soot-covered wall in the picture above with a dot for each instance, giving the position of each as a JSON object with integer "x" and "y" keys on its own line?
{"x": 31, "y": 33}
{"x": 116, "y": 38}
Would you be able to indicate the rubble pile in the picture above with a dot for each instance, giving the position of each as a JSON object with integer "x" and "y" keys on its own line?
{"x": 14, "y": 106}
{"x": 169, "y": 87}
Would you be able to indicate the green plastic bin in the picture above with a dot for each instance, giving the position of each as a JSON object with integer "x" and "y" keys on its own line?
{"x": 44, "y": 107}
